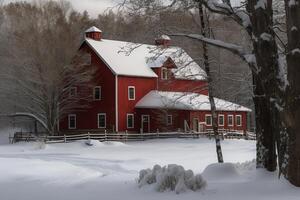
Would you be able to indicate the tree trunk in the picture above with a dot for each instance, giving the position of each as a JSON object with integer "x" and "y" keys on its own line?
{"x": 266, "y": 83}
{"x": 292, "y": 115}
{"x": 204, "y": 30}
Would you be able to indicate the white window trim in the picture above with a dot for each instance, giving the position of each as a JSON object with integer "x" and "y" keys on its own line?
{"x": 240, "y": 120}
{"x": 162, "y": 73}
{"x": 94, "y": 92}
{"x": 130, "y": 114}
{"x": 75, "y": 89}
{"x": 69, "y": 119}
{"x": 89, "y": 59}
{"x": 171, "y": 123}
{"x": 104, "y": 114}
{"x": 208, "y": 115}
{"x": 221, "y": 115}
{"x": 231, "y": 125}
{"x": 131, "y": 87}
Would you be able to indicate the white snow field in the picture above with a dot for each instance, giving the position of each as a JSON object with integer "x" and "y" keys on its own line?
{"x": 109, "y": 171}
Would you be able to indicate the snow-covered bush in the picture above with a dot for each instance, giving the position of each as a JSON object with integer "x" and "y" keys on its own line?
{"x": 172, "y": 177}
{"x": 40, "y": 145}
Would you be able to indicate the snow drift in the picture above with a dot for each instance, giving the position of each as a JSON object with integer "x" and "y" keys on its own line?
{"x": 172, "y": 177}
{"x": 220, "y": 171}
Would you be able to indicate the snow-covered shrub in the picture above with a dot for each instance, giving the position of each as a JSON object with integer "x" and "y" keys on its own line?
{"x": 94, "y": 143}
{"x": 172, "y": 177}
{"x": 40, "y": 145}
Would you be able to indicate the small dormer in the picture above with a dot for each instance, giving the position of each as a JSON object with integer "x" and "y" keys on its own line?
{"x": 93, "y": 33}
{"x": 163, "y": 40}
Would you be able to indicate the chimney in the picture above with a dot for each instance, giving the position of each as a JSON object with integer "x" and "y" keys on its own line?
{"x": 163, "y": 40}
{"x": 94, "y": 33}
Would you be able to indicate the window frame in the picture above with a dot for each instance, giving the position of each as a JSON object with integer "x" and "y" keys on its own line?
{"x": 221, "y": 115}
{"x": 171, "y": 122}
{"x": 236, "y": 121}
{"x": 128, "y": 91}
{"x": 232, "y": 124}
{"x": 208, "y": 115}
{"x": 164, "y": 71}
{"x": 98, "y": 124}
{"x": 75, "y": 91}
{"x": 75, "y": 121}
{"x": 89, "y": 59}
{"x": 127, "y": 117}
{"x": 100, "y": 93}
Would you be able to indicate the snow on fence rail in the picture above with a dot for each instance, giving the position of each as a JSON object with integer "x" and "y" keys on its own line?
{"x": 124, "y": 137}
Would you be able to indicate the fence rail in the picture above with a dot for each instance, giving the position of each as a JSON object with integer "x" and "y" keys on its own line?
{"x": 124, "y": 137}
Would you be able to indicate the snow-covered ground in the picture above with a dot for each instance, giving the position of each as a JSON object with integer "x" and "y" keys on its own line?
{"x": 75, "y": 171}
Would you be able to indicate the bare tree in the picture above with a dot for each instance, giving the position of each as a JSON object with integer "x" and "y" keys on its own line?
{"x": 205, "y": 32}
{"x": 41, "y": 70}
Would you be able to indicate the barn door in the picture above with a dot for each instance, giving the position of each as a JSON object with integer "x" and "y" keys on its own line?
{"x": 196, "y": 125}
{"x": 145, "y": 123}
{"x": 201, "y": 127}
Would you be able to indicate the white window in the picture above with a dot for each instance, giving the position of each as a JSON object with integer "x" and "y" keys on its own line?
{"x": 230, "y": 120}
{"x": 97, "y": 93}
{"x": 164, "y": 73}
{"x": 130, "y": 120}
{"x": 238, "y": 120}
{"x": 72, "y": 121}
{"x": 87, "y": 59}
{"x": 131, "y": 93}
{"x": 169, "y": 119}
{"x": 102, "y": 120}
{"x": 73, "y": 92}
{"x": 221, "y": 120}
{"x": 208, "y": 120}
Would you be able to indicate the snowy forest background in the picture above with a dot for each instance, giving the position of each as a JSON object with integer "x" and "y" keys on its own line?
{"x": 253, "y": 54}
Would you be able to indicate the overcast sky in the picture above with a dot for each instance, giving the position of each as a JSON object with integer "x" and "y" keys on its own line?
{"x": 94, "y": 7}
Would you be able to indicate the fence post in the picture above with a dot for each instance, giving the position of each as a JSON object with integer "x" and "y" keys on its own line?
{"x": 89, "y": 137}
{"x": 142, "y": 134}
{"x": 65, "y": 139}
{"x": 46, "y": 138}
{"x": 105, "y": 135}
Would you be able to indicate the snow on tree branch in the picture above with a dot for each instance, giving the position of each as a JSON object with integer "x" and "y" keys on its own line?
{"x": 246, "y": 56}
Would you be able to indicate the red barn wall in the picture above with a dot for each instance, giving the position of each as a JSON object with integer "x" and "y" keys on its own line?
{"x": 106, "y": 79}
{"x": 158, "y": 119}
{"x": 180, "y": 85}
{"x": 201, "y": 116}
{"x": 142, "y": 87}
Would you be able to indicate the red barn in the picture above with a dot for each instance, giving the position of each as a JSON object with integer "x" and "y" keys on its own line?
{"x": 148, "y": 88}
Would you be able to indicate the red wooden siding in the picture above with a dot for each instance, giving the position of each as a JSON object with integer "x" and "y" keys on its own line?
{"x": 106, "y": 79}
{"x": 201, "y": 116}
{"x": 158, "y": 119}
{"x": 180, "y": 85}
{"x": 125, "y": 106}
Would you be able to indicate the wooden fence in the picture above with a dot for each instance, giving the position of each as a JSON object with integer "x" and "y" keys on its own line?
{"x": 123, "y": 137}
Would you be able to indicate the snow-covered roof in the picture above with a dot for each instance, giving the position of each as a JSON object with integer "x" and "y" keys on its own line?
{"x": 185, "y": 101}
{"x": 165, "y": 37}
{"x": 131, "y": 59}
{"x": 93, "y": 29}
